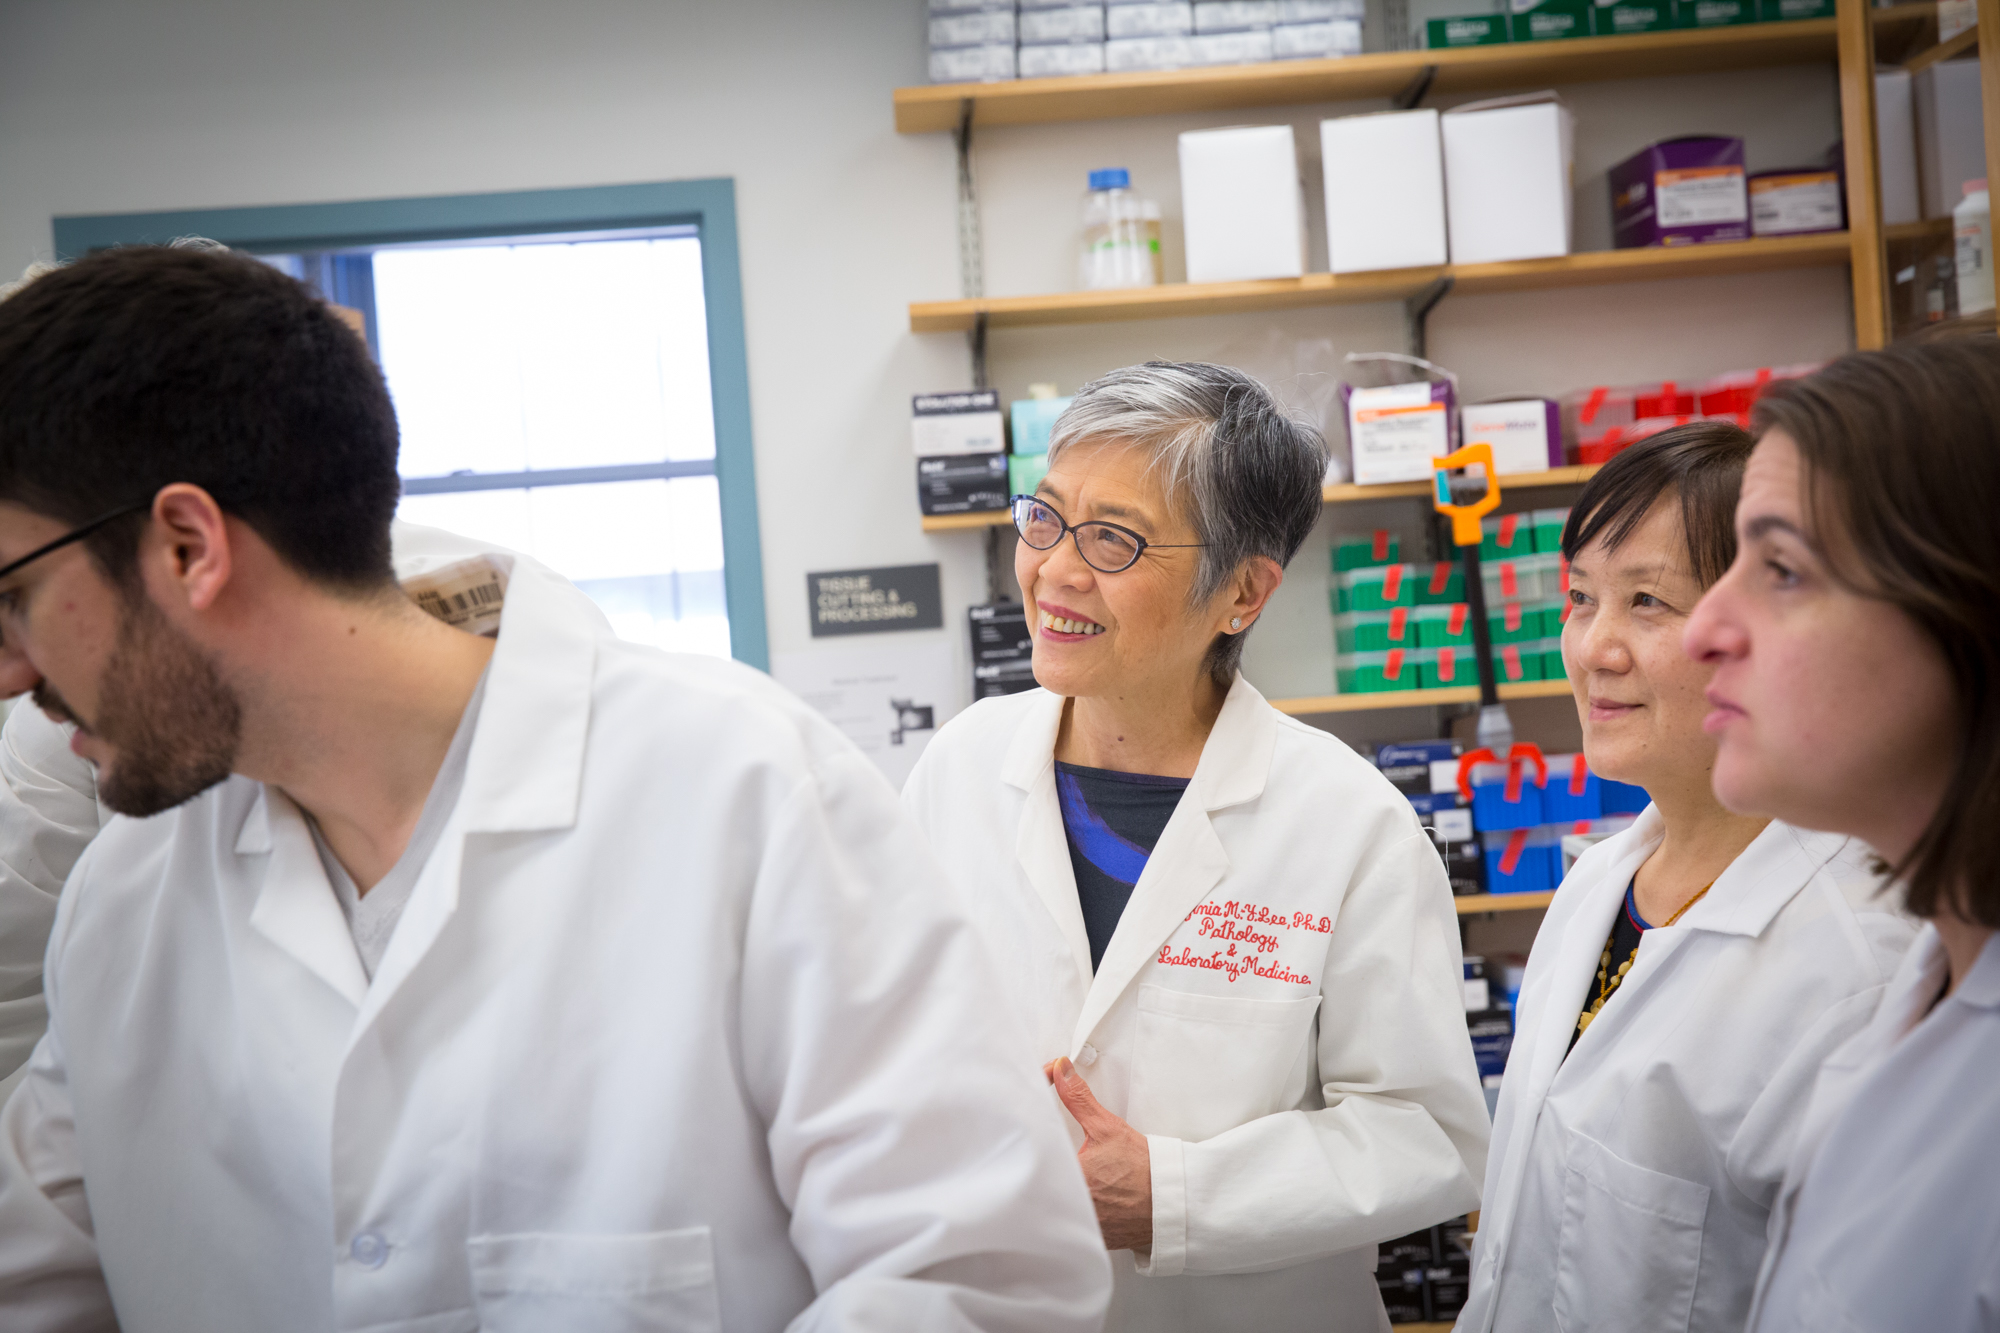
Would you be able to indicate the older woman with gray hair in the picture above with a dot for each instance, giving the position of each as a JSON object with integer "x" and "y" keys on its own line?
{"x": 1224, "y": 931}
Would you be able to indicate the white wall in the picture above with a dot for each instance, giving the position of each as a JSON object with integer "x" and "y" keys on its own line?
{"x": 125, "y": 105}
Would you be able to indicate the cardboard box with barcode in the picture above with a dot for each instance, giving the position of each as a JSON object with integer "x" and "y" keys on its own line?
{"x": 962, "y": 422}
{"x": 1680, "y": 192}
{"x": 1384, "y": 177}
{"x": 1507, "y": 172}
{"x": 1526, "y": 433}
{"x": 1548, "y": 20}
{"x": 1465, "y": 30}
{"x": 1242, "y": 206}
{"x": 962, "y": 483}
{"x": 1395, "y": 431}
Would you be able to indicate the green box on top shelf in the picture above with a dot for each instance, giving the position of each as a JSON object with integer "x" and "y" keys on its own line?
{"x": 1375, "y": 673}
{"x": 1440, "y": 584}
{"x": 1447, "y": 668}
{"x": 1377, "y": 588}
{"x": 1779, "y": 11}
{"x": 1507, "y": 537}
{"x": 1441, "y": 626}
{"x": 1551, "y": 653}
{"x": 1618, "y": 17}
{"x": 1713, "y": 13}
{"x": 1359, "y": 550}
{"x": 1469, "y": 30}
{"x": 1374, "y": 631}
{"x": 1516, "y": 662}
{"x": 1515, "y": 622}
{"x": 1550, "y": 20}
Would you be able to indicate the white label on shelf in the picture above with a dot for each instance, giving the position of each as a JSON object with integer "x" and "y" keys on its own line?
{"x": 1693, "y": 196}
{"x": 1478, "y": 996}
{"x": 1783, "y": 204}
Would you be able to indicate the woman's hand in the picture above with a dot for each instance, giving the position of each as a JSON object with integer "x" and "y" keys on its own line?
{"x": 1115, "y": 1160}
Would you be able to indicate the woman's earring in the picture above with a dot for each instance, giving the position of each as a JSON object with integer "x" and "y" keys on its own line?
{"x": 1236, "y": 622}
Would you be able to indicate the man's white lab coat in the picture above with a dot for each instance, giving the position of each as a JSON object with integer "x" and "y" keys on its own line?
{"x": 1887, "y": 1219}
{"x": 1280, "y": 1011}
{"x": 680, "y": 1029}
{"x": 1630, "y": 1184}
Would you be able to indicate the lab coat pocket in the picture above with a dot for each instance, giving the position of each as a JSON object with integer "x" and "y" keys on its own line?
{"x": 644, "y": 1282}
{"x": 1629, "y": 1251}
{"x": 1207, "y": 1063}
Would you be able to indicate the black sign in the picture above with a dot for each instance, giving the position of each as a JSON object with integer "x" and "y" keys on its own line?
{"x": 1003, "y": 653}
{"x": 870, "y": 601}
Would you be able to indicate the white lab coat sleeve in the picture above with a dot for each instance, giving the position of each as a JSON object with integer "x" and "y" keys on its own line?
{"x": 48, "y": 815}
{"x": 1401, "y": 1142}
{"x": 50, "y": 1279}
{"x": 930, "y": 1180}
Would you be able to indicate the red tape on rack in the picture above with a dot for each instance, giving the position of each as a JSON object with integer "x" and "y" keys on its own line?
{"x": 1398, "y": 620}
{"x": 1440, "y": 577}
{"x": 1381, "y": 544}
{"x": 1392, "y": 583}
{"x": 1454, "y": 623}
{"x": 1510, "y": 655}
{"x": 1447, "y": 663}
{"x": 1509, "y": 523}
{"x": 1392, "y": 669}
{"x": 1592, "y": 404}
{"x": 1579, "y": 774}
{"x": 1510, "y": 582}
{"x": 1511, "y": 617}
{"x": 1516, "y": 844}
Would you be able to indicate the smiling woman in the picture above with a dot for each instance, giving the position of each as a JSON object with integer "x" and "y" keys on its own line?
{"x": 1691, "y": 972}
{"x": 1225, "y": 931}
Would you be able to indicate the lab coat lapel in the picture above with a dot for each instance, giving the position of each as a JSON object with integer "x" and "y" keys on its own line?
{"x": 1189, "y": 860}
{"x": 1040, "y": 843}
{"x": 295, "y": 908}
{"x": 525, "y": 769}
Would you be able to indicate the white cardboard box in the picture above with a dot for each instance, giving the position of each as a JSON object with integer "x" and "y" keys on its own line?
{"x": 1896, "y": 141}
{"x": 1242, "y": 207}
{"x": 1384, "y": 191}
{"x": 1526, "y": 434}
{"x": 1507, "y": 178}
{"x": 1951, "y": 144}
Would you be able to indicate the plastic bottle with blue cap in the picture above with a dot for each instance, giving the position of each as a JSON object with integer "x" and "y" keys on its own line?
{"x": 1121, "y": 235}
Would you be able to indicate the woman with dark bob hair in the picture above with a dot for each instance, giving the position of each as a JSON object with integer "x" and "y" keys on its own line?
{"x": 1856, "y": 646}
{"x": 1690, "y": 976}
{"x": 1224, "y": 931}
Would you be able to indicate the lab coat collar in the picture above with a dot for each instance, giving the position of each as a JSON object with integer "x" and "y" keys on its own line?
{"x": 1981, "y": 987}
{"x": 1769, "y": 873}
{"x": 523, "y": 774}
{"x": 1189, "y": 860}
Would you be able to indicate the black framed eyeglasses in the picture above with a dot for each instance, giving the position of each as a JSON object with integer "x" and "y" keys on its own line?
{"x": 75, "y": 535}
{"x": 1105, "y": 547}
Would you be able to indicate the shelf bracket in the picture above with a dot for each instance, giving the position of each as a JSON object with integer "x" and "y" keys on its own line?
{"x": 971, "y": 252}
{"x": 975, "y": 341}
{"x": 1417, "y": 312}
{"x": 1416, "y": 89}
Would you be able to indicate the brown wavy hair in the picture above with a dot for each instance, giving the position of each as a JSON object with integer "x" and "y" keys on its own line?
{"x": 1901, "y": 453}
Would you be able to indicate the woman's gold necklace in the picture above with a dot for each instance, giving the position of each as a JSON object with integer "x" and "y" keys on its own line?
{"x": 1608, "y": 981}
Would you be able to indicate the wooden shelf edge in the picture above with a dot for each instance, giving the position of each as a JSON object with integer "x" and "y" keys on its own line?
{"x": 1373, "y": 701}
{"x": 1965, "y": 42}
{"x": 992, "y": 518}
{"x": 1347, "y": 492}
{"x": 1587, "y": 269}
{"x": 1474, "y": 903}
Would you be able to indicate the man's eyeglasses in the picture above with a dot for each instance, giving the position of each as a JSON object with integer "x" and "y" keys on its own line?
{"x": 1105, "y": 547}
{"x": 75, "y": 535}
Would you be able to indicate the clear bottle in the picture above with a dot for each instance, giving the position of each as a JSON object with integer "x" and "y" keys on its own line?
{"x": 1115, "y": 252}
{"x": 1972, "y": 232}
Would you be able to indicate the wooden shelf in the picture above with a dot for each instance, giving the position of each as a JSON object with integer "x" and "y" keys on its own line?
{"x": 936, "y": 107}
{"x": 1474, "y": 903}
{"x": 989, "y": 518}
{"x": 1963, "y": 44}
{"x": 1181, "y": 299}
{"x": 1930, "y": 229}
{"x": 1349, "y": 493}
{"x": 1373, "y": 700}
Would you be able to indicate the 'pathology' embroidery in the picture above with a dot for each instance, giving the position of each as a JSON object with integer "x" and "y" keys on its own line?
{"x": 1235, "y": 923}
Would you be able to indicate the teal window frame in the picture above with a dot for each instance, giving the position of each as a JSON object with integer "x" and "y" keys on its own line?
{"x": 709, "y": 205}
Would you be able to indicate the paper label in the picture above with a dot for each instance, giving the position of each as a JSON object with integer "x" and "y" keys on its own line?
{"x": 1781, "y": 204}
{"x": 1694, "y": 196}
{"x": 467, "y": 594}
{"x": 1396, "y": 432}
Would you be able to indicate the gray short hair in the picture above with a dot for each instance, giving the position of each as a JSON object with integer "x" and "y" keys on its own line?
{"x": 1246, "y": 475}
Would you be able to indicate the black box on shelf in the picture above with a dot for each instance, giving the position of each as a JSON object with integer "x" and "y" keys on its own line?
{"x": 962, "y": 483}
{"x": 1408, "y": 764}
{"x": 1403, "y": 1296}
{"x": 1445, "y": 1286}
{"x": 1003, "y": 652}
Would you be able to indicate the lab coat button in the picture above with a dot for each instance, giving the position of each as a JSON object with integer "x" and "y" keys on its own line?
{"x": 1087, "y": 1056}
{"x": 369, "y": 1250}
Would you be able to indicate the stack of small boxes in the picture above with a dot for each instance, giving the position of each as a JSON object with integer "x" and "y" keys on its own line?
{"x": 1604, "y": 419}
{"x": 1522, "y": 813}
{"x": 1404, "y": 626}
{"x": 1546, "y": 20}
{"x": 1425, "y": 1275}
{"x": 985, "y": 40}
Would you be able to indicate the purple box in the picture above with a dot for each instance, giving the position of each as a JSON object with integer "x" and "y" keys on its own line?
{"x": 1680, "y": 192}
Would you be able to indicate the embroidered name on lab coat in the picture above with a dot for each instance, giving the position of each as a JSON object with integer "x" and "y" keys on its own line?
{"x": 1245, "y": 932}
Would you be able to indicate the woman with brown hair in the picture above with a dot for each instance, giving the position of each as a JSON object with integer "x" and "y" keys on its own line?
{"x": 1856, "y": 645}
